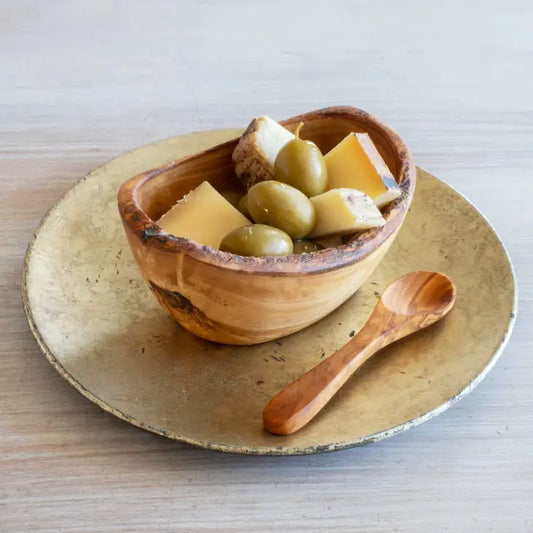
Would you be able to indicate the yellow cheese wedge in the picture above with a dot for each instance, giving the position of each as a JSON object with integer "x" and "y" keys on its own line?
{"x": 204, "y": 216}
{"x": 356, "y": 163}
{"x": 343, "y": 211}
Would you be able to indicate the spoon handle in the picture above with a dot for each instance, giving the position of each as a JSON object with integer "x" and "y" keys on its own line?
{"x": 299, "y": 402}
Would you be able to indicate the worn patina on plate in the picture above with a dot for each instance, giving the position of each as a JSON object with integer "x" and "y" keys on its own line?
{"x": 103, "y": 331}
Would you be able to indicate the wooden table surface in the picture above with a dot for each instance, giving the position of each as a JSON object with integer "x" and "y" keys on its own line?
{"x": 81, "y": 82}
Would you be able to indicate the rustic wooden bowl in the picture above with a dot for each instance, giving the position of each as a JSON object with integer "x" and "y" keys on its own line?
{"x": 247, "y": 300}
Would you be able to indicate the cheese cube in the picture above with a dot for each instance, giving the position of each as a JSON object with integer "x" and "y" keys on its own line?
{"x": 255, "y": 154}
{"x": 356, "y": 163}
{"x": 343, "y": 211}
{"x": 204, "y": 216}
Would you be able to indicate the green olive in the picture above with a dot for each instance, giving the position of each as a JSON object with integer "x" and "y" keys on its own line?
{"x": 243, "y": 206}
{"x": 257, "y": 240}
{"x": 282, "y": 206}
{"x": 233, "y": 197}
{"x": 301, "y": 164}
{"x": 301, "y": 246}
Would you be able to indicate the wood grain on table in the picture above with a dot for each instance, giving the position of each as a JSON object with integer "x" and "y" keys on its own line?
{"x": 82, "y": 82}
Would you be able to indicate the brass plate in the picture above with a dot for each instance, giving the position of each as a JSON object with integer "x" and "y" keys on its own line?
{"x": 103, "y": 331}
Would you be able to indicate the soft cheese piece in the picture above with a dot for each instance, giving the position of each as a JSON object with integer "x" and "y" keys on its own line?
{"x": 255, "y": 154}
{"x": 343, "y": 211}
{"x": 204, "y": 216}
{"x": 356, "y": 163}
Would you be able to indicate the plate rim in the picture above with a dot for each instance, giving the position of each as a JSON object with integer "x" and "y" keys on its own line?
{"x": 261, "y": 450}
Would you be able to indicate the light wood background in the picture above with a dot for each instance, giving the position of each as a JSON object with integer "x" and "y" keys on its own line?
{"x": 81, "y": 82}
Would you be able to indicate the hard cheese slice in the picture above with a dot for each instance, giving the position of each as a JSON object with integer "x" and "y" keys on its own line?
{"x": 356, "y": 163}
{"x": 343, "y": 211}
{"x": 204, "y": 216}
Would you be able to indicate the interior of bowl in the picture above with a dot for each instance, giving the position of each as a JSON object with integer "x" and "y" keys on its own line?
{"x": 157, "y": 191}
{"x": 158, "y": 194}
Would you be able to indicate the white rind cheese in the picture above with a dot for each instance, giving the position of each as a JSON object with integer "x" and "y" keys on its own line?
{"x": 255, "y": 154}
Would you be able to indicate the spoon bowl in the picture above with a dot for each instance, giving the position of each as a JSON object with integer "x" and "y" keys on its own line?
{"x": 420, "y": 292}
{"x": 409, "y": 304}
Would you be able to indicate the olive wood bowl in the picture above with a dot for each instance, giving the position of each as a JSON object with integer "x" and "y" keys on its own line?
{"x": 232, "y": 299}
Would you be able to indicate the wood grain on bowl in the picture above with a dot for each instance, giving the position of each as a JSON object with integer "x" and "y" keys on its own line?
{"x": 247, "y": 300}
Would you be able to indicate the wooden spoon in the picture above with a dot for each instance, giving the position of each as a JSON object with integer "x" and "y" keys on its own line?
{"x": 412, "y": 302}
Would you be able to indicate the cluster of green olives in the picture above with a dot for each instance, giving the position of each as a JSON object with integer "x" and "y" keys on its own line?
{"x": 280, "y": 208}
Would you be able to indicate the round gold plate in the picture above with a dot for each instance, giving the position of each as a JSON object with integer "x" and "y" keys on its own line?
{"x": 103, "y": 331}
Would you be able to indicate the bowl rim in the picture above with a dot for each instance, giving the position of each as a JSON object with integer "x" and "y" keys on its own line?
{"x": 148, "y": 232}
